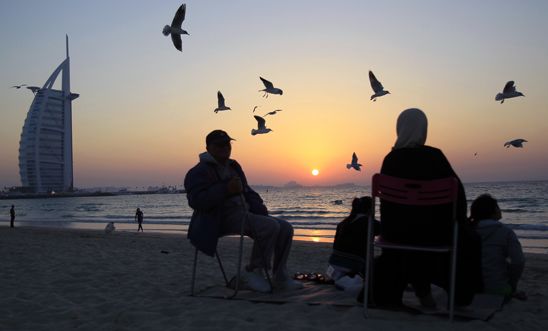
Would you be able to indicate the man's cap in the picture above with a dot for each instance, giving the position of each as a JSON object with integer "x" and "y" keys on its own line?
{"x": 217, "y": 136}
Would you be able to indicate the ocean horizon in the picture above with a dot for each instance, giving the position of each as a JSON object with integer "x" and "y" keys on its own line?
{"x": 314, "y": 211}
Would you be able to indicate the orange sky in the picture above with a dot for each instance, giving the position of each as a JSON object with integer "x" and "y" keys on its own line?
{"x": 145, "y": 108}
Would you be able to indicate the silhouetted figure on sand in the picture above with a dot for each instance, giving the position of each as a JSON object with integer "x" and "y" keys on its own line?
{"x": 12, "y": 216}
{"x": 139, "y": 219}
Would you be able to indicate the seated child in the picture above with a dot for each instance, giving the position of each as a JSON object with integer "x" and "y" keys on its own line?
{"x": 502, "y": 257}
{"x": 348, "y": 257}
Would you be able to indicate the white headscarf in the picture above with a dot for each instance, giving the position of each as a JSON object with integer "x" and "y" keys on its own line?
{"x": 412, "y": 127}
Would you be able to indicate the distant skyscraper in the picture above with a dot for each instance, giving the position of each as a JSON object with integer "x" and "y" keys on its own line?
{"x": 45, "y": 149}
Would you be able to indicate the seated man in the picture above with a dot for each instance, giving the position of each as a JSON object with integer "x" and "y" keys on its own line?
{"x": 218, "y": 191}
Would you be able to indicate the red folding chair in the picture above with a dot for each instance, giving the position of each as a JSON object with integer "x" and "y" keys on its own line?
{"x": 415, "y": 193}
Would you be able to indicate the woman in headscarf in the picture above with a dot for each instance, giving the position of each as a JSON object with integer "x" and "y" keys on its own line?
{"x": 410, "y": 158}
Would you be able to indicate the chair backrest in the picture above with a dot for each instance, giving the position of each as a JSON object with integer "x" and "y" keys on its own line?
{"x": 415, "y": 192}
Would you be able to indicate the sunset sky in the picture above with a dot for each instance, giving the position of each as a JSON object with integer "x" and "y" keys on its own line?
{"x": 145, "y": 108}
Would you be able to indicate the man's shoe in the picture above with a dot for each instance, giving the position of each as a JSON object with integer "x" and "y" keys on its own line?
{"x": 254, "y": 281}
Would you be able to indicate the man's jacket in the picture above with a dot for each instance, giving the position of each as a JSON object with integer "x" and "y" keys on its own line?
{"x": 206, "y": 192}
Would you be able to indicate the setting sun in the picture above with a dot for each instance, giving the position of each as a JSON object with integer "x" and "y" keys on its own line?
{"x": 315, "y": 172}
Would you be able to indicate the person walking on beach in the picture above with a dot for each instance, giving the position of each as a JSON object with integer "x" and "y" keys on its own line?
{"x": 12, "y": 216}
{"x": 218, "y": 191}
{"x": 501, "y": 254}
{"x": 139, "y": 219}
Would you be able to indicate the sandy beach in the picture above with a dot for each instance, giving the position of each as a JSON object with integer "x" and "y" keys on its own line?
{"x": 61, "y": 279}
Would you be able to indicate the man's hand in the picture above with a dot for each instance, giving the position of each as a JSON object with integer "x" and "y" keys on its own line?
{"x": 235, "y": 185}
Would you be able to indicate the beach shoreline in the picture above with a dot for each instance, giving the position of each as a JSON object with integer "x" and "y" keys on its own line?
{"x": 310, "y": 235}
{"x": 529, "y": 244}
{"x": 60, "y": 279}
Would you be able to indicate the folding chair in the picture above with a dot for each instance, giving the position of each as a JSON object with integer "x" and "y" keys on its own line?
{"x": 415, "y": 193}
{"x": 238, "y": 272}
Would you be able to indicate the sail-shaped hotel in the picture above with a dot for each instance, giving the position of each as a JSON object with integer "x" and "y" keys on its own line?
{"x": 45, "y": 149}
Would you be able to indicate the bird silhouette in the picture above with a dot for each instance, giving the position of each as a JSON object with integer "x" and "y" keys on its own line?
{"x": 269, "y": 88}
{"x": 220, "y": 103}
{"x": 175, "y": 29}
{"x": 272, "y": 112}
{"x": 354, "y": 164}
{"x": 508, "y": 92}
{"x": 516, "y": 143}
{"x": 376, "y": 86}
{"x": 261, "y": 126}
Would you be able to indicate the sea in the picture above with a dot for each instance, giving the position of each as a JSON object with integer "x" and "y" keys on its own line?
{"x": 313, "y": 211}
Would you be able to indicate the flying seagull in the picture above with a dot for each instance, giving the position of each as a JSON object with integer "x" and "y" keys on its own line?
{"x": 376, "y": 86}
{"x": 255, "y": 108}
{"x": 269, "y": 88}
{"x": 19, "y": 86}
{"x": 34, "y": 89}
{"x": 354, "y": 163}
{"x": 261, "y": 126}
{"x": 508, "y": 92}
{"x": 272, "y": 112}
{"x": 175, "y": 28}
{"x": 220, "y": 103}
{"x": 515, "y": 143}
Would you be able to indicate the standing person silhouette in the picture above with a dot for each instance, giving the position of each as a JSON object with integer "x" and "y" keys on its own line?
{"x": 139, "y": 219}
{"x": 12, "y": 216}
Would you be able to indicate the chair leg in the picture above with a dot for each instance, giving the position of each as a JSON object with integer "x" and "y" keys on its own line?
{"x": 240, "y": 253}
{"x": 366, "y": 291}
{"x": 194, "y": 272}
{"x": 453, "y": 274}
{"x": 238, "y": 274}
{"x": 452, "y": 294}
{"x": 221, "y": 266}
{"x": 238, "y": 271}
{"x": 367, "y": 278}
{"x": 268, "y": 276}
{"x": 265, "y": 265}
